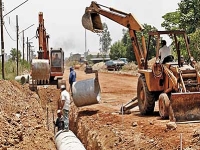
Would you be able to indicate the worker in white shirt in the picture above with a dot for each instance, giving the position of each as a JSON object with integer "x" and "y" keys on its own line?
{"x": 164, "y": 52}
{"x": 65, "y": 106}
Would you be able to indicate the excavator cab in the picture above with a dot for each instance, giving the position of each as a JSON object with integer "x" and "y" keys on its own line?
{"x": 57, "y": 66}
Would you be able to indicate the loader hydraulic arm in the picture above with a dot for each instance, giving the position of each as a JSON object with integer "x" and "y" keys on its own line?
{"x": 91, "y": 21}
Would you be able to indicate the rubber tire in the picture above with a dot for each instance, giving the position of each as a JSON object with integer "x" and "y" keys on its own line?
{"x": 163, "y": 104}
{"x": 146, "y": 99}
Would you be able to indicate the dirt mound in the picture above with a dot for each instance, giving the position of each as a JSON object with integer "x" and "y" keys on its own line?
{"x": 22, "y": 119}
{"x": 99, "y": 66}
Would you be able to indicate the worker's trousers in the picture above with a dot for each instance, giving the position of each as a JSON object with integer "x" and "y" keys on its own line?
{"x": 66, "y": 119}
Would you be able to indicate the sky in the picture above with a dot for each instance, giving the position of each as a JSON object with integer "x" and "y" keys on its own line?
{"x": 62, "y": 19}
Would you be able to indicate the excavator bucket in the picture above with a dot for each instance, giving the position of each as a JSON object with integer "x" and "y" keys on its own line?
{"x": 92, "y": 22}
{"x": 185, "y": 107}
{"x": 40, "y": 70}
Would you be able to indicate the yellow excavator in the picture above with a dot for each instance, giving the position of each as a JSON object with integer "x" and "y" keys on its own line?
{"x": 175, "y": 84}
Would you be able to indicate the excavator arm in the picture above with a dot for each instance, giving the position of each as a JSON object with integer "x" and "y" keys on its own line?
{"x": 42, "y": 39}
{"x": 91, "y": 21}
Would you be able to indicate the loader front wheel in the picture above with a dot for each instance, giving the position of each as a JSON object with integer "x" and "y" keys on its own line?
{"x": 146, "y": 99}
{"x": 164, "y": 105}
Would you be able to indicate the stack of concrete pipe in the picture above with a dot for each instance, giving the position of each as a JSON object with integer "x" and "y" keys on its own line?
{"x": 23, "y": 78}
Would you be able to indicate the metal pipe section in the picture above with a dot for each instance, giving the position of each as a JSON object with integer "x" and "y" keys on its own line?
{"x": 68, "y": 141}
{"x": 86, "y": 92}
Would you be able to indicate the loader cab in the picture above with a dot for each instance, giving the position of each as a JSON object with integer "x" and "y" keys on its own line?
{"x": 179, "y": 46}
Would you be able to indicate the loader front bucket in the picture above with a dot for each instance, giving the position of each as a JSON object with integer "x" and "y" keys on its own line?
{"x": 184, "y": 107}
{"x": 92, "y": 22}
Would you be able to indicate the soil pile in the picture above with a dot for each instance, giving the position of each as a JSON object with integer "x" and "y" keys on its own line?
{"x": 22, "y": 119}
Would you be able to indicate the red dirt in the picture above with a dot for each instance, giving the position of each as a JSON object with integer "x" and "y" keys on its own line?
{"x": 99, "y": 126}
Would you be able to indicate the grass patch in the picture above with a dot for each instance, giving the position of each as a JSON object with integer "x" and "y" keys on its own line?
{"x": 10, "y": 69}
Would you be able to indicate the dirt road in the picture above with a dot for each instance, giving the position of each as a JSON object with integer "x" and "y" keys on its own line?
{"x": 27, "y": 121}
{"x": 101, "y": 126}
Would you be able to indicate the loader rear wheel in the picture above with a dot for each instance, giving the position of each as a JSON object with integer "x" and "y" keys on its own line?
{"x": 164, "y": 105}
{"x": 146, "y": 99}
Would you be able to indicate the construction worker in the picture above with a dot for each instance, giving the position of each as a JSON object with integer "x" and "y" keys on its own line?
{"x": 59, "y": 121}
{"x": 164, "y": 53}
{"x": 72, "y": 78}
{"x": 65, "y": 106}
{"x": 56, "y": 61}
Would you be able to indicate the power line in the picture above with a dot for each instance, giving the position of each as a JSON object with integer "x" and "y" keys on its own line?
{"x": 8, "y": 33}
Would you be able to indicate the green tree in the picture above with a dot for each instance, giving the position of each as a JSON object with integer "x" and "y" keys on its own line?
{"x": 189, "y": 15}
{"x": 117, "y": 50}
{"x": 152, "y": 48}
{"x": 171, "y": 20}
{"x": 105, "y": 40}
{"x": 195, "y": 44}
{"x": 13, "y": 54}
{"x": 186, "y": 17}
{"x": 126, "y": 40}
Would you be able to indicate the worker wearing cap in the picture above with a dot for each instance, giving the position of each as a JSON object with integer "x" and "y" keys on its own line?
{"x": 164, "y": 51}
{"x": 65, "y": 106}
{"x": 59, "y": 121}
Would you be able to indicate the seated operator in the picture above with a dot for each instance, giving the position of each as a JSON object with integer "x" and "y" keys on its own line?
{"x": 164, "y": 53}
{"x": 56, "y": 61}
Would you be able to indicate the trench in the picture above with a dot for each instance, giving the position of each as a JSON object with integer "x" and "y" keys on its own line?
{"x": 77, "y": 126}
{"x": 79, "y": 131}
{"x": 83, "y": 132}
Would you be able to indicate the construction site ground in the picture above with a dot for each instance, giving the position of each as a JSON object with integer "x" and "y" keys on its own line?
{"x": 26, "y": 118}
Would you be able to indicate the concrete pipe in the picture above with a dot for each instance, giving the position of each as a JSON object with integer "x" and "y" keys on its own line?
{"x": 23, "y": 78}
{"x": 68, "y": 141}
{"x": 86, "y": 92}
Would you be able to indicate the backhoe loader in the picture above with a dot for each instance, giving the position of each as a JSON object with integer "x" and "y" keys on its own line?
{"x": 174, "y": 84}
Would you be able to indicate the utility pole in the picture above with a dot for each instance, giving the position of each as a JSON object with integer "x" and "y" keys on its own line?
{"x": 23, "y": 38}
{"x": 23, "y": 44}
{"x": 27, "y": 49}
{"x": 2, "y": 39}
{"x": 17, "y": 44}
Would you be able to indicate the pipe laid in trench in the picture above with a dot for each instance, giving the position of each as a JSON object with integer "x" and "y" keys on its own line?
{"x": 68, "y": 141}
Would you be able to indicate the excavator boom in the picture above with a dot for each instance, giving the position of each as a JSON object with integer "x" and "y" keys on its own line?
{"x": 92, "y": 13}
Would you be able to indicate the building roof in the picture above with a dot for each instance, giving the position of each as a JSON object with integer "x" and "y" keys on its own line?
{"x": 100, "y": 59}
